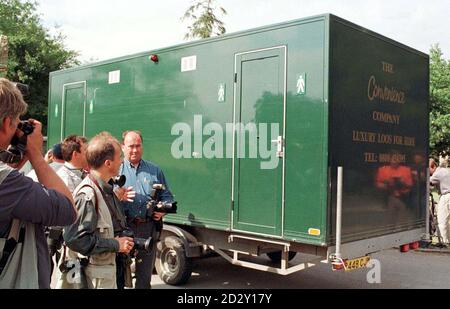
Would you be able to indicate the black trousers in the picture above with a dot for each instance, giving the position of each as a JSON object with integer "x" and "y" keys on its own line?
{"x": 145, "y": 261}
{"x": 120, "y": 272}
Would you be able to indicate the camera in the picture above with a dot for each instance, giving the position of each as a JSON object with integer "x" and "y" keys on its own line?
{"x": 156, "y": 205}
{"x": 23, "y": 88}
{"x": 139, "y": 243}
{"x": 54, "y": 239}
{"x": 16, "y": 151}
{"x": 26, "y": 127}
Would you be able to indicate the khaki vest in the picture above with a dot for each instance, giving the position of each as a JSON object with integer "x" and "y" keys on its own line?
{"x": 101, "y": 270}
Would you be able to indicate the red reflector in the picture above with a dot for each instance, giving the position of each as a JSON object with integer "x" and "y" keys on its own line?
{"x": 338, "y": 265}
{"x": 414, "y": 245}
{"x": 404, "y": 248}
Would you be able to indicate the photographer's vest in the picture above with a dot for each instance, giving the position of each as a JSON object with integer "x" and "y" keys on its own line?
{"x": 101, "y": 269}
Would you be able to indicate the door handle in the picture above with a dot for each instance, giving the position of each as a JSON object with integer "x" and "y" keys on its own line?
{"x": 279, "y": 142}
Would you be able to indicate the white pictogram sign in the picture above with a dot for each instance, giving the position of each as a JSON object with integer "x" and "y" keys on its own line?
{"x": 221, "y": 93}
{"x": 301, "y": 84}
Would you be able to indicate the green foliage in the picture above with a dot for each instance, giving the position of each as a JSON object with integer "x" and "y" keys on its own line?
{"x": 33, "y": 53}
{"x": 440, "y": 102}
{"x": 204, "y": 21}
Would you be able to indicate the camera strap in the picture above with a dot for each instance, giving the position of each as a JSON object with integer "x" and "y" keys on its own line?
{"x": 111, "y": 211}
{"x": 16, "y": 235}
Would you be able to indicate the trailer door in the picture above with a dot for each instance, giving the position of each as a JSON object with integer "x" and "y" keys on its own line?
{"x": 258, "y": 141}
{"x": 73, "y": 109}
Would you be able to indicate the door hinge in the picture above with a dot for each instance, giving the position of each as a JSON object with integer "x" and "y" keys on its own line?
{"x": 235, "y": 77}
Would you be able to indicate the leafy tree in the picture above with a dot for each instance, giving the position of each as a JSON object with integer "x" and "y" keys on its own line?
{"x": 33, "y": 53}
{"x": 204, "y": 20}
{"x": 440, "y": 102}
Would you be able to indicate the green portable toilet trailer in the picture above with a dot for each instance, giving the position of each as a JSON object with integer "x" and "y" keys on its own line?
{"x": 251, "y": 129}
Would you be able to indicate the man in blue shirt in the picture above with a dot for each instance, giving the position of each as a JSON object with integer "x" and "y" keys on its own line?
{"x": 141, "y": 175}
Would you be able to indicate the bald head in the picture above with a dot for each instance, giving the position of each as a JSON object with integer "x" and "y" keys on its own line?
{"x": 132, "y": 146}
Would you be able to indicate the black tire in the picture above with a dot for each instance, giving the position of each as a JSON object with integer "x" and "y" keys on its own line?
{"x": 172, "y": 265}
{"x": 276, "y": 256}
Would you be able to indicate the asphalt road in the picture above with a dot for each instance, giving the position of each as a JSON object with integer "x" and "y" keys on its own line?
{"x": 398, "y": 270}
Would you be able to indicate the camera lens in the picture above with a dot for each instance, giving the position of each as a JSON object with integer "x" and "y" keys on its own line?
{"x": 167, "y": 207}
{"x": 143, "y": 244}
{"x": 128, "y": 233}
{"x": 26, "y": 127}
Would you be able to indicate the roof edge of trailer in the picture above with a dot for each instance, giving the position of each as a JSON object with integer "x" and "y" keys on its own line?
{"x": 326, "y": 16}
{"x": 199, "y": 42}
{"x": 377, "y": 35}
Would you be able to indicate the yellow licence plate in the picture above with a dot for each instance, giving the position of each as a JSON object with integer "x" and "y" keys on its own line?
{"x": 356, "y": 263}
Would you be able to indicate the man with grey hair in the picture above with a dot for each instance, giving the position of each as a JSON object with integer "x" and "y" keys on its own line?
{"x": 23, "y": 200}
{"x": 440, "y": 177}
{"x": 95, "y": 237}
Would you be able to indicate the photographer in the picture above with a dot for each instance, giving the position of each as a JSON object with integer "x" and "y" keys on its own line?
{"x": 141, "y": 175}
{"x": 73, "y": 153}
{"x": 94, "y": 239}
{"x": 440, "y": 177}
{"x": 45, "y": 204}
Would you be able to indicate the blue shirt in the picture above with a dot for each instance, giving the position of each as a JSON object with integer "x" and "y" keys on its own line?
{"x": 142, "y": 179}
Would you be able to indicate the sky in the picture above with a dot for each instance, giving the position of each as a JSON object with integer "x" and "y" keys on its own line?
{"x": 105, "y": 29}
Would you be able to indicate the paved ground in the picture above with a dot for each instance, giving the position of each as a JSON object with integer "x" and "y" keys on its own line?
{"x": 398, "y": 270}
{"x": 428, "y": 270}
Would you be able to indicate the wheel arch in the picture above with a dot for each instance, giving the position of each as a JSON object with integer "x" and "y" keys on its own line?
{"x": 191, "y": 245}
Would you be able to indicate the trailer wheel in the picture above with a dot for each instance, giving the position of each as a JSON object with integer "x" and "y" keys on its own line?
{"x": 172, "y": 265}
{"x": 276, "y": 256}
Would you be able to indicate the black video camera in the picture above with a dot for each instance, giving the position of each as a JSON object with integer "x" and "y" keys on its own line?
{"x": 156, "y": 205}
{"x": 16, "y": 151}
{"x": 139, "y": 243}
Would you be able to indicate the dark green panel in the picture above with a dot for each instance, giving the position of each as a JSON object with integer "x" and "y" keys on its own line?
{"x": 379, "y": 114}
{"x": 258, "y": 185}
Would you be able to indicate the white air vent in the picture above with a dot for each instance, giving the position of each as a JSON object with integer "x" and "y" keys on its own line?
{"x": 114, "y": 77}
{"x": 188, "y": 63}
